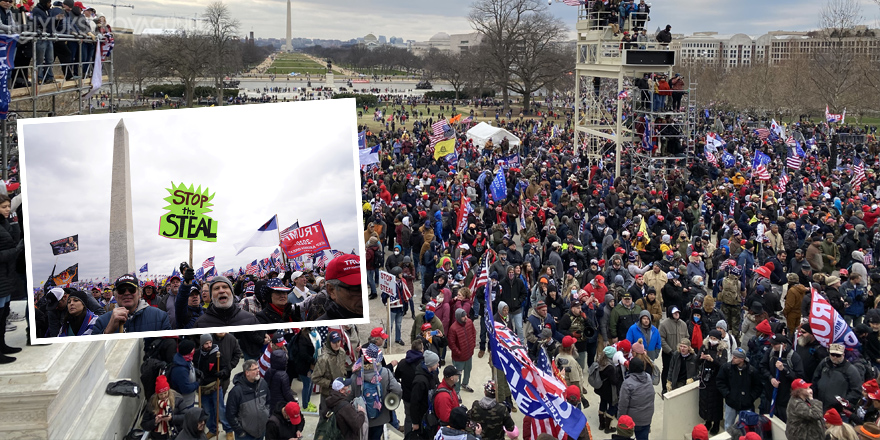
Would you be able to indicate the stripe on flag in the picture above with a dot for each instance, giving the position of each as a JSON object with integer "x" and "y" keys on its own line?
{"x": 858, "y": 172}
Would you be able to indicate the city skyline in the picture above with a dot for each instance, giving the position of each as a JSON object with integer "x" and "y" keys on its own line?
{"x": 418, "y": 22}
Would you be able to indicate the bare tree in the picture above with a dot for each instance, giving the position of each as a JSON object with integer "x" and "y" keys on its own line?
{"x": 132, "y": 62}
{"x": 502, "y": 24}
{"x": 222, "y": 32}
{"x": 448, "y": 67}
{"x": 185, "y": 56}
{"x": 835, "y": 70}
{"x": 540, "y": 58}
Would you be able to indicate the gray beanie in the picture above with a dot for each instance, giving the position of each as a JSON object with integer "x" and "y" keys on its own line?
{"x": 431, "y": 358}
{"x": 645, "y": 313}
{"x": 502, "y": 305}
{"x": 618, "y": 279}
{"x": 722, "y": 324}
{"x": 546, "y": 333}
{"x": 220, "y": 279}
{"x": 460, "y": 313}
{"x": 205, "y": 338}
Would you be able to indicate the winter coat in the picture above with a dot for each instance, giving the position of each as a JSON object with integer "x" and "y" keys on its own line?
{"x": 677, "y": 362}
{"x": 417, "y": 325}
{"x": 792, "y": 368}
{"x": 247, "y": 406}
{"x": 348, "y": 419}
{"x": 144, "y": 319}
{"x": 492, "y": 416}
{"x": 387, "y": 384}
{"x": 331, "y": 364}
{"x": 443, "y": 312}
{"x": 462, "y": 340}
{"x": 233, "y": 316}
{"x": 182, "y": 378}
{"x": 513, "y": 292}
{"x": 422, "y": 383}
{"x": 811, "y": 356}
{"x": 672, "y": 331}
{"x": 831, "y": 380}
{"x": 740, "y": 387}
{"x": 536, "y": 324}
{"x": 584, "y": 328}
{"x": 190, "y": 427}
{"x": 279, "y": 428}
{"x": 792, "y": 309}
{"x": 650, "y": 338}
{"x": 278, "y": 380}
{"x": 637, "y": 399}
{"x": 405, "y": 372}
{"x": 653, "y": 307}
{"x": 711, "y": 403}
{"x": 805, "y": 419}
{"x": 622, "y": 319}
{"x": 11, "y": 245}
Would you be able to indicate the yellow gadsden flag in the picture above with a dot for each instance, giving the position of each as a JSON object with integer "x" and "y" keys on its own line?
{"x": 444, "y": 148}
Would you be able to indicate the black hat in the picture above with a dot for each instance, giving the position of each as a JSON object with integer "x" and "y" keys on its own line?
{"x": 450, "y": 371}
{"x": 715, "y": 334}
{"x": 806, "y": 328}
{"x": 757, "y": 308}
{"x": 779, "y": 339}
{"x": 185, "y": 347}
{"x": 458, "y": 418}
{"x": 126, "y": 279}
{"x": 636, "y": 365}
{"x": 79, "y": 294}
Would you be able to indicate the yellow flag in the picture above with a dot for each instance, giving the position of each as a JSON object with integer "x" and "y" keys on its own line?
{"x": 444, "y": 148}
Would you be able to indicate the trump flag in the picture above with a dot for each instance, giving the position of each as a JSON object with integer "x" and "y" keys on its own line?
{"x": 827, "y": 325}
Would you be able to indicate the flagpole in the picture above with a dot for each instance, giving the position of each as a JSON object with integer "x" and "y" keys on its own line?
{"x": 761, "y": 206}
{"x": 190, "y": 254}
{"x": 283, "y": 254}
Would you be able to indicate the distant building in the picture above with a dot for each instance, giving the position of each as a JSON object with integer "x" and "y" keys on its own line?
{"x": 734, "y": 50}
{"x": 453, "y": 44}
{"x": 382, "y": 39}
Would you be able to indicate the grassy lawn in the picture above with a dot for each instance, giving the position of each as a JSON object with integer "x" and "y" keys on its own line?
{"x": 367, "y": 119}
{"x": 380, "y": 72}
{"x": 293, "y": 62}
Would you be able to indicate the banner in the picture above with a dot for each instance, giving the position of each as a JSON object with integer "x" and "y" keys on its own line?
{"x": 306, "y": 240}
{"x": 7, "y": 55}
{"x": 70, "y": 275}
{"x": 535, "y": 393}
{"x": 512, "y": 161}
{"x": 388, "y": 286}
{"x": 65, "y": 245}
{"x": 186, "y": 218}
{"x": 827, "y": 325}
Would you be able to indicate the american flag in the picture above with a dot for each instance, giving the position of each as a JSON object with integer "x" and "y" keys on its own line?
{"x": 759, "y": 165}
{"x": 858, "y": 172}
{"x": 623, "y": 93}
{"x": 711, "y": 158}
{"x": 790, "y": 141}
{"x": 793, "y": 160}
{"x": 229, "y": 273}
{"x": 322, "y": 258}
{"x": 209, "y": 263}
{"x": 285, "y": 234}
{"x": 546, "y": 426}
{"x": 278, "y": 259}
{"x": 467, "y": 120}
{"x": 252, "y": 268}
{"x": 571, "y": 3}
{"x": 869, "y": 257}
{"x": 783, "y": 181}
{"x": 481, "y": 279}
{"x": 442, "y": 130}
{"x": 762, "y": 133}
{"x": 240, "y": 271}
{"x": 732, "y": 205}
{"x": 405, "y": 294}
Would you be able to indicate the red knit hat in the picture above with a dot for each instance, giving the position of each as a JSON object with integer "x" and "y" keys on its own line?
{"x": 162, "y": 384}
{"x": 572, "y": 391}
{"x": 624, "y": 346}
{"x": 700, "y": 432}
{"x": 764, "y": 327}
{"x": 832, "y": 417}
{"x": 750, "y": 436}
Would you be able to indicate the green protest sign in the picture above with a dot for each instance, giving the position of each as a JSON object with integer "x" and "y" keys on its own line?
{"x": 186, "y": 218}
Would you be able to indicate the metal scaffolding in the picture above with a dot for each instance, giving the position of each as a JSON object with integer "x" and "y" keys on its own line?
{"x": 34, "y": 92}
{"x": 618, "y": 111}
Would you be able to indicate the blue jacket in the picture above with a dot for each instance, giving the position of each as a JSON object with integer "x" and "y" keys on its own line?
{"x": 634, "y": 334}
{"x": 186, "y": 316}
{"x": 145, "y": 319}
{"x": 855, "y": 296}
{"x": 180, "y": 374}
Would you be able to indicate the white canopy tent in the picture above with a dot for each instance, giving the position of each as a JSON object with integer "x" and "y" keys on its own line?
{"x": 482, "y": 132}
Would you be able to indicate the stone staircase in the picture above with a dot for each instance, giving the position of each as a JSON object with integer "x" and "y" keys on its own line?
{"x": 58, "y": 391}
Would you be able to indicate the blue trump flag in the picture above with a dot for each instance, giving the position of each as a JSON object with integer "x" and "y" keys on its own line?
{"x": 143, "y": 268}
{"x": 536, "y": 393}
{"x": 7, "y": 55}
{"x": 499, "y": 187}
{"x": 362, "y": 140}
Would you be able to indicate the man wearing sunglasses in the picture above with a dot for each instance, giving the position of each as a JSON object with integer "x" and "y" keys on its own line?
{"x": 132, "y": 314}
{"x": 344, "y": 288}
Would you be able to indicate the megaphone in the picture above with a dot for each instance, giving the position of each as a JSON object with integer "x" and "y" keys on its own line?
{"x": 392, "y": 401}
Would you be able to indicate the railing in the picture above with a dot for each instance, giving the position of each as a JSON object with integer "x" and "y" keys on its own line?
{"x": 36, "y": 78}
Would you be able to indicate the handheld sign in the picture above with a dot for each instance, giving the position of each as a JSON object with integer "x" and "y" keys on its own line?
{"x": 388, "y": 286}
{"x": 186, "y": 218}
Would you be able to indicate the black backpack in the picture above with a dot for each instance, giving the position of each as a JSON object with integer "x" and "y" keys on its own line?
{"x": 379, "y": 257}
{"x": 153, "y": 365}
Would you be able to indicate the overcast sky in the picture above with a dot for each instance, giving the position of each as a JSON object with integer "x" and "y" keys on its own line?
{"x": 291, "y": 159}
{"x": 420, "y": 19}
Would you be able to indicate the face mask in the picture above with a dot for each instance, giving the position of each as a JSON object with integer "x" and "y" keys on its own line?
{"x": 592, "y": 243}
{"x": 189, "y": 357}
{"x": 697, "y": 319}
{"x": 711, "y": 342}
{"x": 396, "y": 252}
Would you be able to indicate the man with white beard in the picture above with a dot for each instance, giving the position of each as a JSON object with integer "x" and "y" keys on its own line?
{"x": 223, "y": 310}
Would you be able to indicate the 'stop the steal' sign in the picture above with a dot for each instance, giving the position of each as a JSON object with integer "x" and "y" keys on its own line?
{"x": 186, "y": 217}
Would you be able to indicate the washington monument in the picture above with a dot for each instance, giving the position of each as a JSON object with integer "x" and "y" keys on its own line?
{"x": 288, "y": 46}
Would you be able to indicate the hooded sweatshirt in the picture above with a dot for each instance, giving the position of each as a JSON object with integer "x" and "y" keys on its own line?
{"x": 190, "y": 429}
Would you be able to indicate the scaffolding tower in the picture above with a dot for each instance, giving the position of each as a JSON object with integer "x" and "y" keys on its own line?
{"x": 618, "y": 111}
{"x": 35, "y": 87}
